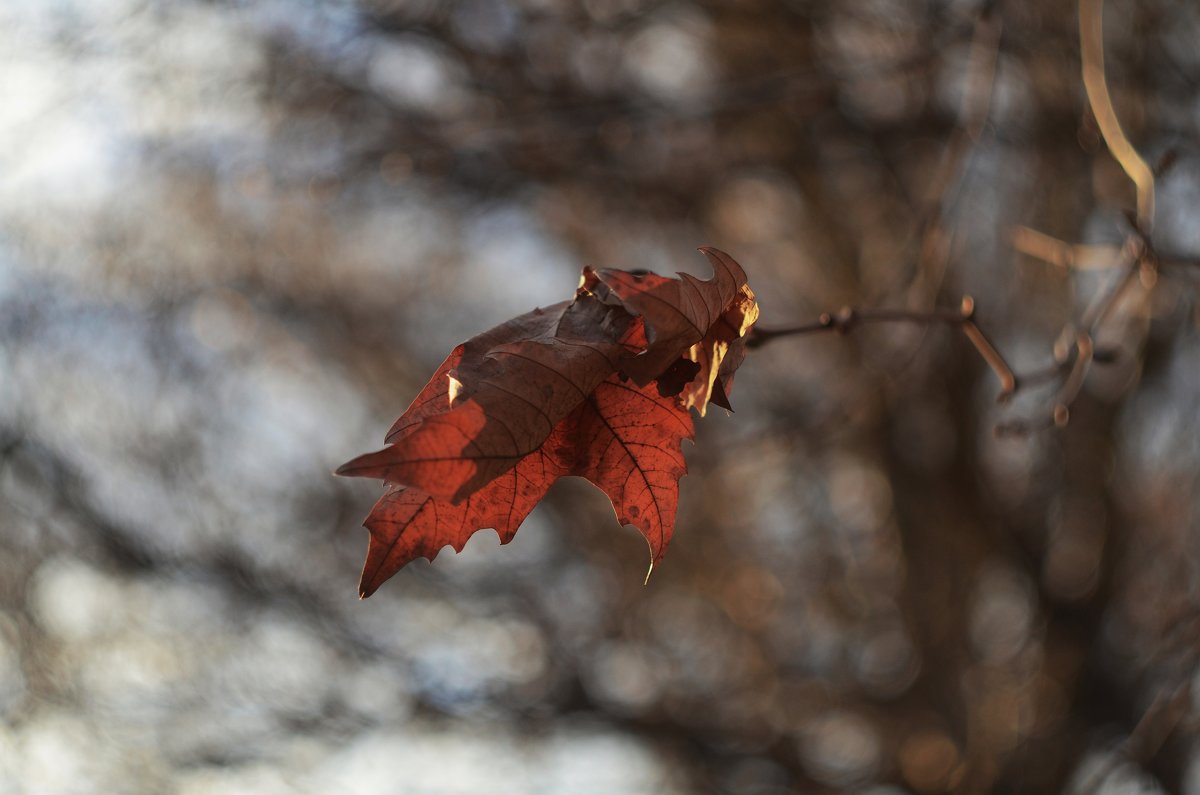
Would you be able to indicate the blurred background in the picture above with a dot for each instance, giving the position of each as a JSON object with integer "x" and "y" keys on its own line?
{"x": 237, "y": 236}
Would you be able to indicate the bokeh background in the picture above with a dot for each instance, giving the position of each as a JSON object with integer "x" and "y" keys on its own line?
{"x": 237, "y": 236}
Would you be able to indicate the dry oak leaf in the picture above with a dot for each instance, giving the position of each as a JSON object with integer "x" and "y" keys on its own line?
{"x": 596, "y": 387}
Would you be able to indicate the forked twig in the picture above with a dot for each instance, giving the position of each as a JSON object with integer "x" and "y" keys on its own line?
{"x": 849, "y": 318}
{"x": 1076, "y": 351}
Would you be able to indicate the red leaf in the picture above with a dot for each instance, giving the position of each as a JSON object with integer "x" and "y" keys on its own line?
{"x": 407, "y": 523}
{"x": 549, "y": 394}
{"x": 630, "y": 446}
{"x": 516, "y": 382}
{"x": 624, "y": 438}
{"x": 705, "y": 322}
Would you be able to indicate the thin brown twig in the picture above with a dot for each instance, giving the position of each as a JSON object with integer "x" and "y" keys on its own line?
{"x": 1091, "y": 40}
{"x": 1089, "y": 257}
{"x": 1103, "y": 302}
{"x": 1166, "y": 161}
{"x": 1061, "y": 366}
{"x": 1070, "y": 389}
{"x": 1070, "y": 256}
{"x": 1045, "y": 375}
{"x": 849, "y": 318}
{"x": 1076, "y": 351}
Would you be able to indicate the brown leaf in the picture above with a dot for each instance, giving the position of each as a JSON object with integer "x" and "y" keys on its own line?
{"x": 702, "y": 322}
{"x": 573, "y": 389}
{"x": 629, "y": 444}
{"x": 624, "y": 438}
{"x": 679, "y": 313}
{"x": 514, "y": 384}
{"x": 407, "y": 523}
